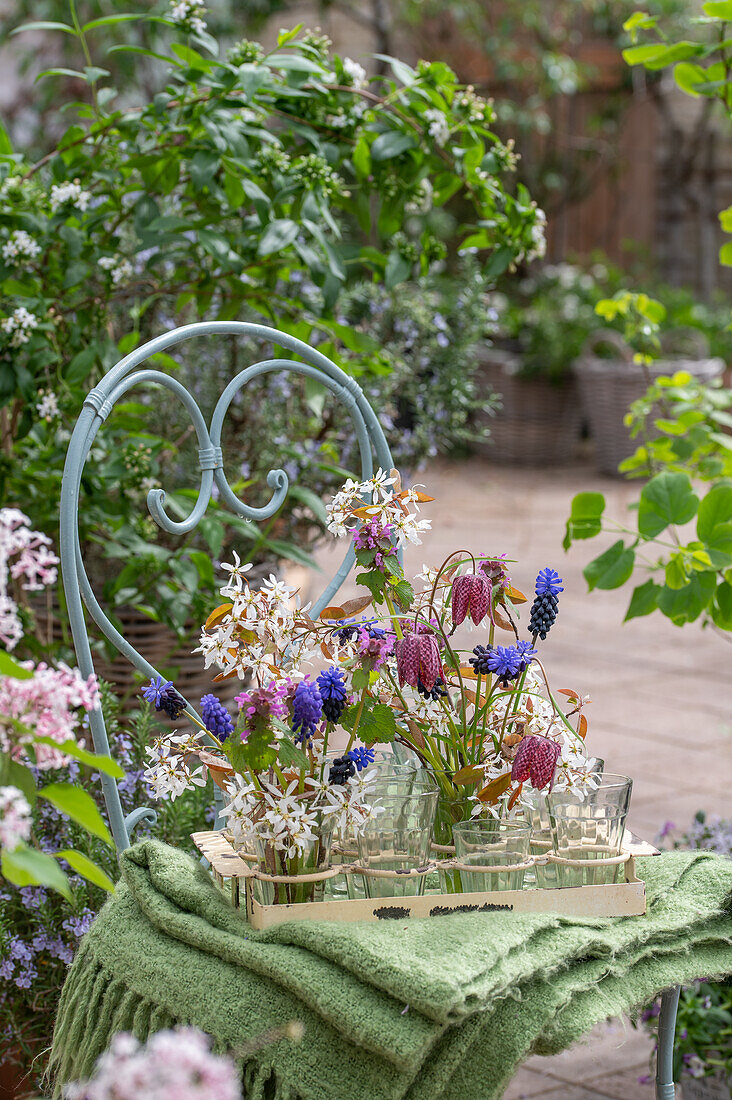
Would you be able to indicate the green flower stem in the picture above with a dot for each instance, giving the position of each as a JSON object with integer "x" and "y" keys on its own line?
{"x": 393, "y": 615}
{"x": 356, "y": 724}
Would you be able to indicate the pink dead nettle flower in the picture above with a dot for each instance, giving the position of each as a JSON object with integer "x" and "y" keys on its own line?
{"x": 536, "y": 760}
{"x": 418, "y": 659}
{"x": 262, "y": 703}
{"x": 374, "y": 644}
{"x": 471, "y": 594}
{"x": 48, "y": 703}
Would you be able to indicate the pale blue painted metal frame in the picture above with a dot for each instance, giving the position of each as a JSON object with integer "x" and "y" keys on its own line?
{"x": 97, "y": 407}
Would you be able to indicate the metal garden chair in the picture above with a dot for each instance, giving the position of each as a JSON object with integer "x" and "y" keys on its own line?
{"x": 130, "y": 374}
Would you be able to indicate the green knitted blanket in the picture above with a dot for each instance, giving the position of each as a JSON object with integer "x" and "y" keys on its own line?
{"x": 441, "y": 1008}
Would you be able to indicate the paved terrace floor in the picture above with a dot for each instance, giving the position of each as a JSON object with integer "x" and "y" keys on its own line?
{"x": 660, "y": 695}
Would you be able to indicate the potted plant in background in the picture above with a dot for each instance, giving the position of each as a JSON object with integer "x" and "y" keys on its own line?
{"x": 537, "y": 326}
{"x": 616, "y": 369}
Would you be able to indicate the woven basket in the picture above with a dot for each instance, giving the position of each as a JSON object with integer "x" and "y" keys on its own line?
{"x": 158, "y": 645}
{"x": 539, "y": 422}
{"x": 608, "y": 387}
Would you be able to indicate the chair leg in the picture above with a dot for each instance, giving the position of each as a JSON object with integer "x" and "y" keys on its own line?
{"x": 665, "y": 1088}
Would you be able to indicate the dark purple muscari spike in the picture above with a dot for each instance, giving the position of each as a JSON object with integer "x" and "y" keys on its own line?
{"x": 332, "y": 686}
{"x": 545, "y": 607}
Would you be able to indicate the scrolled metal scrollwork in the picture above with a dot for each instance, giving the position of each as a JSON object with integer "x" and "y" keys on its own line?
{"x": 98, "y": 406}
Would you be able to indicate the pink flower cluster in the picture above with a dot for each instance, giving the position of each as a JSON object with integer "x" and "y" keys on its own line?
{"x": 261, "y": 703}
{"x": 15, "y": 818}
{"x": 173, "y": 1065}
{"x": 48, "y": 703}
{"x": 34, "y": 564}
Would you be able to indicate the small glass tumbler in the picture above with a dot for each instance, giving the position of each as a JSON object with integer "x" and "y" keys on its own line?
{"x": 586, "y": 832}
{"x": 491, "y": 843}
{"x": 613, "y": 791}
{"x": 398, "y": 840}
{"x": 387, "y": 765}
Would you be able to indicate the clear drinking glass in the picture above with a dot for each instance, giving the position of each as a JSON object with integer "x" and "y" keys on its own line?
{"x": 491, "y": 843}
{"x": 536, "y": 810}
{"x": 613, "y": 791}
{"x": 398, "y": 839}
{"x": 583, "y": 831}
{"x": 387, "y": 765}
{"x": 315, "y": 857}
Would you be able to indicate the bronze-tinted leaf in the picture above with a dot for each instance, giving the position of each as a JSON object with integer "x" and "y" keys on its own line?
{"x": 416, "y": 732}
{"x": 515, "y": 596}
{"x": 468, "y": 672}
{"x": 569, "y": 692}
{"x": 397, "y": 486}
{"x": 355, "y": 607}
{"x": 493, "y": 791}
{"x": 502, "y": 621}
{"x": 326, "y": 651}
{"x": 333, "y": 612}
{"x": 582, "y": 726}
{"x": 468, "y": 775}
{"x": 217, "y": 615}
{"x": 515, "y": 796}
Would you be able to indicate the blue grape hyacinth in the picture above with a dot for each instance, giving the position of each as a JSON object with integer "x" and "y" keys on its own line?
{"x": 307, "y": 710}
{"x": 216, "y": 717}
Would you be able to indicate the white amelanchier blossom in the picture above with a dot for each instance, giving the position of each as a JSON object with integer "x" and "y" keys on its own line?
{"x": 69, "y": 194}
{"x": 189, "y": 14}
{"x": 20, "y": 246}
{"x": 47, "y": 408}
{"x": 19, "y": 326}
{"x": 169, "y": 773}
{"x": 438, "y": 128}
{"x": 120, "y": 269}
{"x": 381, "y": 500}
{"x": 355, "y": 72}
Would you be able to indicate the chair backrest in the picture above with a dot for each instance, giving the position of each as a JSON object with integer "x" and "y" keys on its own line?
{"x": 127, "y": 375}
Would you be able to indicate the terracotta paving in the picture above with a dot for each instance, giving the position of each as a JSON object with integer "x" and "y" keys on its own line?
{"x": 659, "y": 709}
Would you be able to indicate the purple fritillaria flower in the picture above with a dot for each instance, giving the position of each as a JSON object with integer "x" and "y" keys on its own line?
{"x": 471, "y": 595}
{"x": 418, "y": 658}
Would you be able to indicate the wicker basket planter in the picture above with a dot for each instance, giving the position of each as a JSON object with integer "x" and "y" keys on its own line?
{"x": 705, "y": 1088}
{"x": 608, "y": 387}
{"x": 539, "y": 422}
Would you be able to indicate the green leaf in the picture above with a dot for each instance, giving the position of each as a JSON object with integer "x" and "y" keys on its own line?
{"x": 377, "y": 725}
{"x": 684, "y": 605}
{"x": 688, "y": 75}
{"x": 585, "y": 517}
{"x": 62, "y": 72}
{"x": 28, "y": 867}
{"x": 643, "y": 601}
{"x": 359, "y": 680}
{"x": 44, "y": 25}
{"x": 611, "y": 569}
{"x": 10, "y": 667}
{"x": 398, "y": 269}
{"x": 79, "y": 806}
{"x": 290, "y": 756}
{"x": 6, "y": 145}
{"x": 718, "y": 9}
{"x": 278, "y": 235}
{"x": 18, "y": 775}
{"x": 667, "y": 498}
{"x": 374, "y": 581}
{"x": 391, "y": 144}
{"x": 111, "y": 20}
{"x": 94, "y": 760}
{"x": 725, "y": 254}
{"x": 403, "y": 594}
{"x": 715, "y": 513}
{"x": 722, "y": 606}
{"x": 86, "y": 867}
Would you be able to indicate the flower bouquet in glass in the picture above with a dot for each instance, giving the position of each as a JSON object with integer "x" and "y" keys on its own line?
{"x": 382, "y": 669}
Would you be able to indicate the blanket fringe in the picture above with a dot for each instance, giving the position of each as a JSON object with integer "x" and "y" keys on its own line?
{"x": 95, "y": 1005}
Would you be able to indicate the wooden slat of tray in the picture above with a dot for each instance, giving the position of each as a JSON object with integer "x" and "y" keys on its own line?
{"x": 623, "y": 899}
{"x": 220, "y": 854}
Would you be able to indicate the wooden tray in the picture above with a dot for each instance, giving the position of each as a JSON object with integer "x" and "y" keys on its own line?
{"x": 621, "y": 899}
